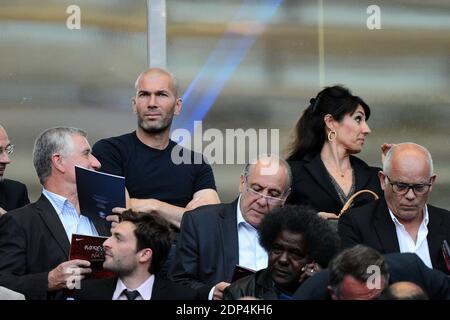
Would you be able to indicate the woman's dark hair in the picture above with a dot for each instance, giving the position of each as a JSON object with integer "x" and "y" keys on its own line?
{"x": 151, "y": 232}
{"x": 310, "y": 128}
{"x": 322, "y": 242}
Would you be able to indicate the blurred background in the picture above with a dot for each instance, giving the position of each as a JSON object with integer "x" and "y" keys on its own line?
{"x": 267, "y": 59}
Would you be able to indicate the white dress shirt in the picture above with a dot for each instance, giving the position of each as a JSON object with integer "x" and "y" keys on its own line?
{"x": 145, "y": 290}
{"x": 71, "y": 220}
{"x": 251, "y": 254}
{"x": 406, "y": 242}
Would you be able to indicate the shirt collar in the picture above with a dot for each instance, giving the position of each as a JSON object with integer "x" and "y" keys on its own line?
{"x": 145, "y": 289}
{"x": 56, "y": 200}
{"x": 240, "y": 218}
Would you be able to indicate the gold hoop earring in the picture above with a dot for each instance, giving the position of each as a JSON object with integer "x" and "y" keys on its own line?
{"x": 332, "y": 135}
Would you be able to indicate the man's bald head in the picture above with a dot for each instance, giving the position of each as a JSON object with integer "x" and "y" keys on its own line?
{"x": 157, "y": 72}
{"x": 404, "y": 290}
{"x": 407, "y": 154}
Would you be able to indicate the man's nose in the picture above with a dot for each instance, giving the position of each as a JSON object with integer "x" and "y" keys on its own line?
{"x": 262, "y": 201}
{"x": 410, "y": 194}
{"x": 95, "y": 163}
{"x": 4, "y": 157}
{"x": 106, "y": 244}
{"x": 152, "y": 100}
{"x": 283, "y": 258}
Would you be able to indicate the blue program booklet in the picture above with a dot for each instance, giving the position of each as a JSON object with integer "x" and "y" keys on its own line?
{"x": 99, "y": 192}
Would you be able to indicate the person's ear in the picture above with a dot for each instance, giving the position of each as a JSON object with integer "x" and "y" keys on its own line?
{"x": 329, "y": 122}
{"x": 382, "y": 178}
{"x": 178, "y": 106}
{"x": 145, "y": 255}
{"x": 432, "y": 181}
{"x": 133, "y": 103}
{"x": 58, "y": 162}
{"x": 241, "y": 183}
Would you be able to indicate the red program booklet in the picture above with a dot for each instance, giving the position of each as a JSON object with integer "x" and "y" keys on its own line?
{"x": 90, "y": 248}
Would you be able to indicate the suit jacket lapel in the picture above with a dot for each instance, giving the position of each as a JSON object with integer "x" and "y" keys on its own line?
{"x": 3, "y": 195}
{"x": 159, "y": 289}
{"x": 316, "y": 168}
{"x": 229, "y": 238}
{"x": 51, "y": 219}
{"x": 109, "y": 287}
{"x": 435, "y": 237}
{"x": 385, "y": 228}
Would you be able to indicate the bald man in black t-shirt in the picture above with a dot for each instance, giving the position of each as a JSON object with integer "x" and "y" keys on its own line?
{"x": 144, "y": 157}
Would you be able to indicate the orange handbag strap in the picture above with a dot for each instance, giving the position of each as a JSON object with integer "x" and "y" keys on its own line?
{"x": 350, "y": 200}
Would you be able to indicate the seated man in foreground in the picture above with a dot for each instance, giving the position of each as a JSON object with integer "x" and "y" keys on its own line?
{"x": 362, "y": 273}
{"x": 136, "y": 252}
{"x": 299, "y": 243}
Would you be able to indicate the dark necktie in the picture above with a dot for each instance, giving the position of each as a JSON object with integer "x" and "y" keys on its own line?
{"x": 131, "y": 295}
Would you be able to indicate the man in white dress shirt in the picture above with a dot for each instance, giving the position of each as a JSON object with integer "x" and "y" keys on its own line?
{"x": 216, "y": 238}
{"x": 402, "y": 221}
{"x": 35, "y": 239}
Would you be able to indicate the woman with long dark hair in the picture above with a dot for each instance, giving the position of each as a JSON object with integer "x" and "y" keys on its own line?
{"x": 330, "y": 131}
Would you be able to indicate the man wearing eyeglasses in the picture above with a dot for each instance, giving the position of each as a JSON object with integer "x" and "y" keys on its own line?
{"x": 402, "y": 221}
{"x": 216, "y": 238}
{"x": 13, "y": 194}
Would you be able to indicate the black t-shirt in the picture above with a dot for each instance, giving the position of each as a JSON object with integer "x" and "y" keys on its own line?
{"x": 151, "y": 173}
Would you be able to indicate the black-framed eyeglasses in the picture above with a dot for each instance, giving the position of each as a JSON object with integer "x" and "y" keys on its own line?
{"x": 9, "y": 150}
{"x": 403, "y": 188}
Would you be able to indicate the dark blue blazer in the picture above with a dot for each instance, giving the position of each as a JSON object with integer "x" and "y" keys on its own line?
{"x": 13, "y": 195}
{"x": 208, "y": 250}
{"x": 372, "y": 226}
{"x": 33, "y": 242}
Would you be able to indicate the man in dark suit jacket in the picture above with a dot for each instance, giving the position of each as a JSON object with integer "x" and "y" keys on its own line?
{"x": 216, "y": 238}
{"x": 353, "y": 270}
{"x": 13, "y": 194}
{"x": 136, "y": 252}
{"x": 402, "y": 222}
{"x": 35, "y": 239}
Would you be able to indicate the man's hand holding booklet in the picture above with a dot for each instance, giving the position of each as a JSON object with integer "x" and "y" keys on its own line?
{"x": 90, "y": 248}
